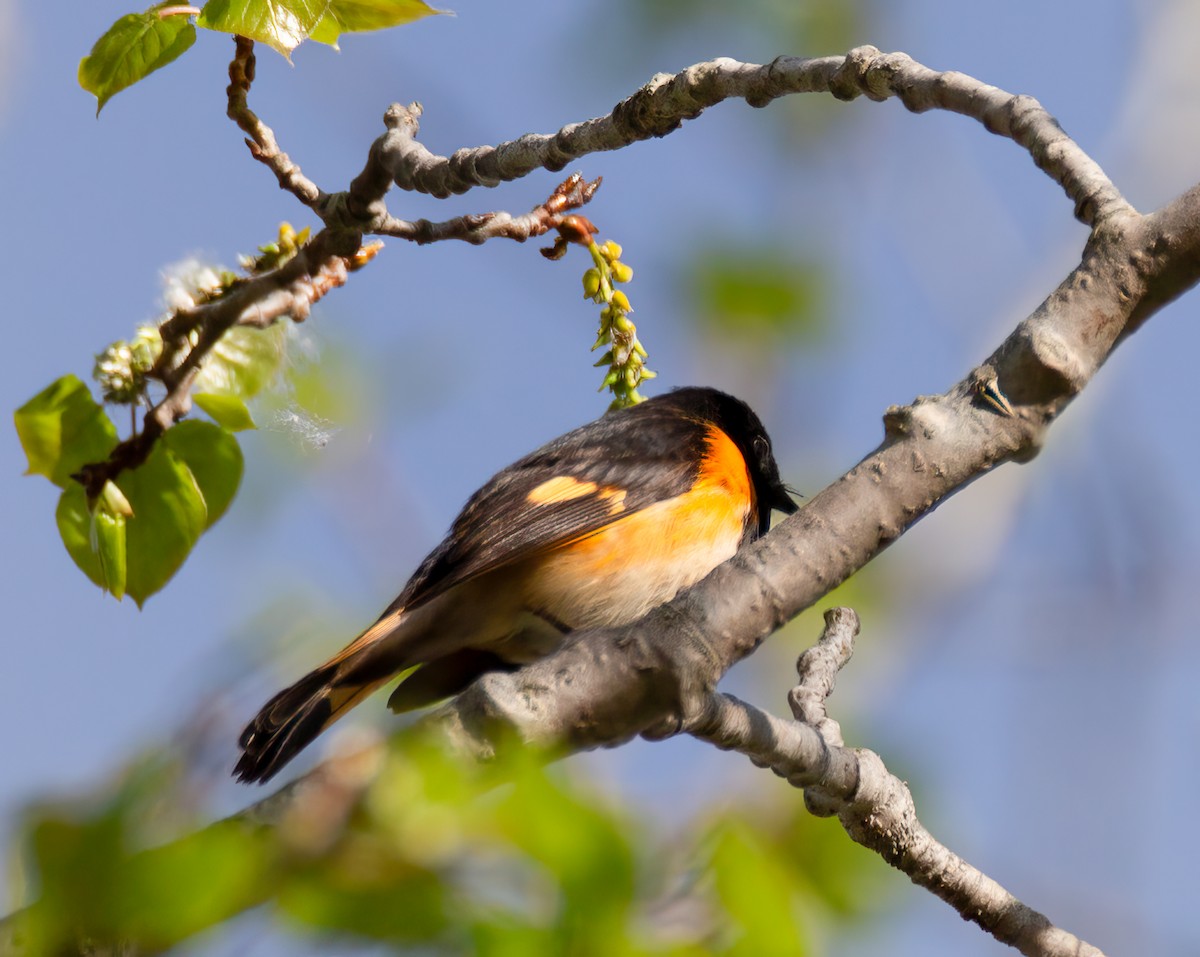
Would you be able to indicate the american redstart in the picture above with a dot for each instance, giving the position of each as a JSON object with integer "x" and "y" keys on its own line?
{"x": 593, "y": 529}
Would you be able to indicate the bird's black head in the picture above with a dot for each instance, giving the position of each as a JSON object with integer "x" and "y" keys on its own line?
{"x": 738, "y": 421}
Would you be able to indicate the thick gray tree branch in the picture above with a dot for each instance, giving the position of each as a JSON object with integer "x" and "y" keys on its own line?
{"x": 874, "y": 806}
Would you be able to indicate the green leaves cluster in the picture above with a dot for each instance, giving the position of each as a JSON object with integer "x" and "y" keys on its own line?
{"x": 135, "y": 535}
{"x": 136, "y": 531}
{"x": 140, "y": 43}
{"x": 447, "y": 857}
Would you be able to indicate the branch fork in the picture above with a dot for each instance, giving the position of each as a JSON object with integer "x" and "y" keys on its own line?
{"x": 874, "y": 806}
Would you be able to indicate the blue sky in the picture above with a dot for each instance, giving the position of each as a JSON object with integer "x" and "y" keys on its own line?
{"x": 1033, "y": 667}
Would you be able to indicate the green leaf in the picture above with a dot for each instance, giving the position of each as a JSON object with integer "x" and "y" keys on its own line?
{"x": 228, "y": 411}
{"x": 94, "y": 882}
{"x": 583, "y": 848}
{"x": 168, "y": 516}
{"x": 181, "y": 888}
{"x": 398, "y": 904}
{"x": 579, "y": 844}
{"x": 282, "y": 24}
{"x": 108, "y": 542}
{"x": 133, "y": 48}
{"x": 353, "y": 16}
{"x": 214, "y": 459}
{"x": 62, "y": 429}
{"x": 756, "y": 890}
{"x": 243, "y": 361}
{"x": 185, "y": 485}
{"x": 74, "y": 521}
{"x": 65, "y": 850}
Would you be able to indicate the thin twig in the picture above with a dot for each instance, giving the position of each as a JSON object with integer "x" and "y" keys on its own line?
{"x": 261, "y": 139}
{"x": 572, "y": 193}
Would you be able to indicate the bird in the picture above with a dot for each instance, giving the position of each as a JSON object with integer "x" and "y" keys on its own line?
{"x": 593, "y": 529}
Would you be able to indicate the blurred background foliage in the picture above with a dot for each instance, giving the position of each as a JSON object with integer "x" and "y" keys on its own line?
{"x": 756, "y": 299}
{"x": 510, "y": 857}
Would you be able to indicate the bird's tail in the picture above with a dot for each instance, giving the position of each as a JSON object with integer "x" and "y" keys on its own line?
{"x": 293, "y": 718}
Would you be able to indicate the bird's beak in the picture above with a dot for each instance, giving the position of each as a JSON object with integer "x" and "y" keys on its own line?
{"x": 783, "y": 500}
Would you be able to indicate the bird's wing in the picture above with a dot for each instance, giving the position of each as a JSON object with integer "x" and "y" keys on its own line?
{"x": 579, "y": 483}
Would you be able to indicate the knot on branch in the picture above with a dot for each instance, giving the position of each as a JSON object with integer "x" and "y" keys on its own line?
{"x": 241, "y": 68}
{"x": 404, "y": 118}
{"x": 926, "y": 418}
{"x": 398, "y": 156}
{"x": 1017, "y": 116}
{"x": 641, "y": 114}
{"x": 353, "y": 210}
{"x": 1043, "y": 366}
{"x": 474, "y": 167}
{"x": 661, "y": 106}
{"x": 868, "y": 72}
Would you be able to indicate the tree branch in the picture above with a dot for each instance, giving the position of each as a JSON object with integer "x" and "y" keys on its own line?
{"x": 261, "y": 139}
{"x": 477, "y": 228}
{"x": 657, "y": 109}
{"x": 661, "y": 106}
{"x": 874, "y": 806}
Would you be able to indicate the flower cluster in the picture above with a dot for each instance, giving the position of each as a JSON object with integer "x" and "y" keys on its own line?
{"x": 121, "y": 369}
{"x": 626, "y": 357}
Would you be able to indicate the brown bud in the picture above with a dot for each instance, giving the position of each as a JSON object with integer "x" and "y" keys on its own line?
{"x": 577, "y": 229}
